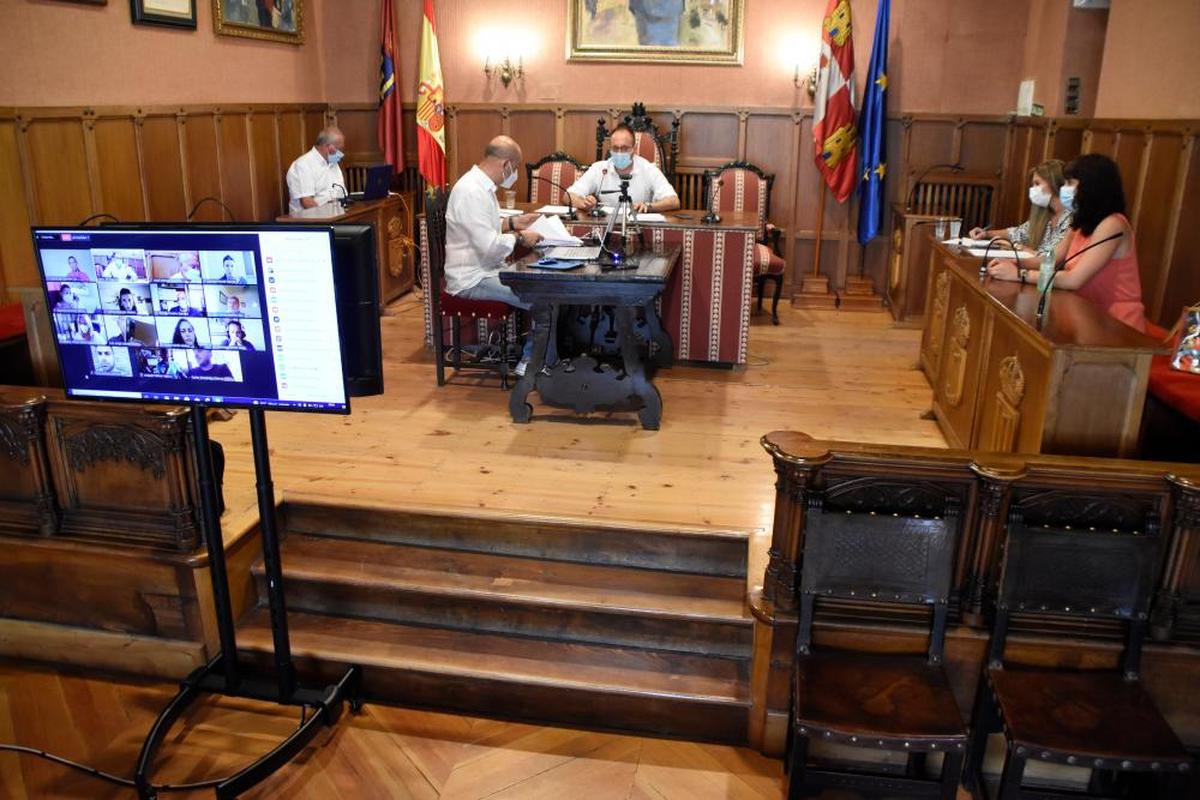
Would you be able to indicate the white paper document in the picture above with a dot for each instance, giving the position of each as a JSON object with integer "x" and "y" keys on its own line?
{"x": 997, "y": 251}
{"x": 553, "y": 232}
{"x": 552, "y": 210}
{"x": 967, "y": 242}
{"x": 651, "y": 216}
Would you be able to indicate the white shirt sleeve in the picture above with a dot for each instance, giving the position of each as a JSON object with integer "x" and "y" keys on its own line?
{"x": 660, "y": 187}
{"x": 300, "y": 181}
{"x": 589, "y": 182}
{"x": 473, "y": 216}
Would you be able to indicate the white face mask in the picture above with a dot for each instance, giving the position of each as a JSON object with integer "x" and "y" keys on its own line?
{"x": 1066, "y": 196}
{"x": 508, "y": 179}
{"x": 1039, "y": 196}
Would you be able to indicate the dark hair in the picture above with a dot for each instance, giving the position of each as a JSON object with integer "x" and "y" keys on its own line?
{"x": 178, "y": 338}
{"x": 1099, "y": 194}
{"x": 622, "y": 127}
{"x": 227, "y": 258}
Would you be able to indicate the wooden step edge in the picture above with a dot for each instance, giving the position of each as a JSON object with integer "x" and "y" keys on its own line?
{"x": 292, "y": 573}
{"x": 303, "y": 500}
{"x": 299, "y": 651}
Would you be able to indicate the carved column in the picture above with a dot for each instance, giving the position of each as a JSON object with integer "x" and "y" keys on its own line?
{"x": 1183, "y": 557}
{"x": 795, "y": 474}
{"x": 996, "y": 478}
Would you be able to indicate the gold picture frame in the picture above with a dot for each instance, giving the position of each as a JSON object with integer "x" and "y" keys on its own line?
{"x": 243, "y": 18}
{"x": 660, "y": 31}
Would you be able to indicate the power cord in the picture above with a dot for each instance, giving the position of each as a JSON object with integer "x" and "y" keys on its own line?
{"x": 117, "y": 780}
{"x": 211, "y": 199}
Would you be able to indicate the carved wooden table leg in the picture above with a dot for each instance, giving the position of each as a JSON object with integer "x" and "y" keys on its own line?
{"x": 665, "y": 354}
{"x": 651, "y": 413}
{"x": 520, "y": 410}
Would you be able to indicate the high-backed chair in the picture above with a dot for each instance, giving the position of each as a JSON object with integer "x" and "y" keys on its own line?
{"x": 660, "y": 149}
{"x": 447, "y": 307}
{"x": 551, "y": 176}
{"x": 875, "y": 701}
{"x": 1099, "y": 719}
{"x": 742, "y": 186}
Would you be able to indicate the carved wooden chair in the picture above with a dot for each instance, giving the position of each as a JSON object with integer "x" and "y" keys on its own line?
{"x": 551, "y": 176}
{"x": 447, "y": 308}
{"x": 1099, "y": 719}
{"x": 660, "y": 149}
{"x": 742, "y": 186}
{"x": 876, "y": 701}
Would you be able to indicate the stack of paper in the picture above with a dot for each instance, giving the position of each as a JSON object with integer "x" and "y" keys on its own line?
{"x": 966, "y": 242}
{"x": 651, "y": 216}
{"x": 552, "y": 210}
{"x": 997, "y": 251}
{"x": 553, "y": 232}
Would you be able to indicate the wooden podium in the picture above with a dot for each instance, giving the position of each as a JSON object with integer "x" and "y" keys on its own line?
{"x": 908, "y": 263}
{"x": 392, "y": 219}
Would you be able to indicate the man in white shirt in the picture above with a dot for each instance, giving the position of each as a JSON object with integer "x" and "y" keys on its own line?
{"x": 312, "y": 177}
{"x": 649, "y": 189}
{"x": 477, "y": 239}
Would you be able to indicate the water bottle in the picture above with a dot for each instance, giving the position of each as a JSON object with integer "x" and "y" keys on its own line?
{"x": 1045, "y": 272}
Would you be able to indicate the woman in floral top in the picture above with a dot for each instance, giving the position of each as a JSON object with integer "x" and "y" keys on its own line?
{"x": 1049, "y": 221}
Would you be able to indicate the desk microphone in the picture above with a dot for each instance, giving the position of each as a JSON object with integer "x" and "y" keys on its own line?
{"x": 1060, "y": 266}
{"x": 570, "y": 208}
{"x": 344, "y": 200}
{"x": 596, "y": 212}
{"x": 983, "y": 262}
{"x": 912, "y": 189}
{"x": 712, "y": 217}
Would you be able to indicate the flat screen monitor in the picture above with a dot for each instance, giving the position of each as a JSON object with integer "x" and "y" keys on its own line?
{"x": 242, "y": 316}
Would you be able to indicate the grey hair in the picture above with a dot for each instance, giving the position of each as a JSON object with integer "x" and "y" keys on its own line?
{"x": 328, "y": 135}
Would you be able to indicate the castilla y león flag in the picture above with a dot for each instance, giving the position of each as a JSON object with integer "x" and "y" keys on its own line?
{"x": 391, "y": 123}
{"x": 431, "y": 107}
{"x": 834, "y": 134}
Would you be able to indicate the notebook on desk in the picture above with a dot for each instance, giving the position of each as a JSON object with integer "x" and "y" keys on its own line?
{"x": 568, "y": 253}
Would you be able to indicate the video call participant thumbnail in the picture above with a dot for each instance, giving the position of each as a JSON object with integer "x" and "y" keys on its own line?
{"x": 107, "y": 360}
{"x": 206, "y": 368}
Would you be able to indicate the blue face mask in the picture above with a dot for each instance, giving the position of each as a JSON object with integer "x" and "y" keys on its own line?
{"x": 1066, "y": 196}
{"x": 621, "y": 160}
{"x": 335, "y": 157}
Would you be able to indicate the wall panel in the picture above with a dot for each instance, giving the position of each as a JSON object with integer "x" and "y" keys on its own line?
{"x": 16, "y": 251}
{"x": 1155, "y": 213}
{"x": 264, "y": 158}
{"x": 769, "y": 142}
{"x": 707, "y": 140}
{"x": 534, "y": 131}
{"x": 1182, "y": 284}
{"x": 203, "y": 173}
{"x": 60, "y": 171}
{"x": 290, "y": 125}
{"x": 117, "y": 162}
{"x": 164, "y": 186}
{"x": 579, "y": 135}
{"x": 473, "y": 129}
{"x": 233, "y": 141}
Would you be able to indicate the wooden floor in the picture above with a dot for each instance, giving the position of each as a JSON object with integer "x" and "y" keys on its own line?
{"x": 835, "y": 375}
{"x": 382, "y": 753}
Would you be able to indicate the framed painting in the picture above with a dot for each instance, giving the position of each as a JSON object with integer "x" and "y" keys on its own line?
{"x": 681, "y": 31}
{"x": 176, "y": 13}
{"x": 272, "y": 20}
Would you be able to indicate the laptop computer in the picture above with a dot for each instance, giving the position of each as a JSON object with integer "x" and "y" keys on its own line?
{"x": 379, "y": 178}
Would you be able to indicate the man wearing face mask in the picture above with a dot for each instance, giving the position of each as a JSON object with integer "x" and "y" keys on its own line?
{"x": 315, "y": 178}
{"x": 477, "y": 239}
{"x": 649, "y": 189}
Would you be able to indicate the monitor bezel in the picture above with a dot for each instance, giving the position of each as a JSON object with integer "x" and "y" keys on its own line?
{"x": 208, "y": 226}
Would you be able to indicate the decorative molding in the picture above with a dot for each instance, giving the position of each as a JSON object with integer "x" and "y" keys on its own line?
{"x": 1012, "y": 380}
{"x": 962, "y": 326}
{"x": 143, "y": 448}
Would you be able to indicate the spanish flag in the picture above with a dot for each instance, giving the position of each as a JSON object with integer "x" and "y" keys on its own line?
{"x": 834, "y": 133}
{"x": 431, "y": 107}
{"x": 391, "y": 122}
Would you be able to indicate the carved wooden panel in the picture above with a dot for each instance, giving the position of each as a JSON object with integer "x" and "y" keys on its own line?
{"x": 957, "y": 339}
{"x": 117, "y": 163}
{"x": 935, "y": 327}
{"x": 122, "y": 474}
{"x": 26, "y": 496}
{"x": 1075, "y": 418}
{"x": 1012, "y": 394}
{"x": 1005, "y": 414}
{"x": 955, "y": 392}
{"x": 164, "y": 168}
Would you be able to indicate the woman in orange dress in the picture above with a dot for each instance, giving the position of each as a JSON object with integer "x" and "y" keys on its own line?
{"x": 1106, "y": 275}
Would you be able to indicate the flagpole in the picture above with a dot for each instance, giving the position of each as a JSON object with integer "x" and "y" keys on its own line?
{"x": 820, "y": 225}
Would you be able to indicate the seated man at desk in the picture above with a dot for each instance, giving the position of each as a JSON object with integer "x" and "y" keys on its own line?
{"x": 649, "y": 189}
{"x": 315, "y": 178}
{"x": 478, "y": 241}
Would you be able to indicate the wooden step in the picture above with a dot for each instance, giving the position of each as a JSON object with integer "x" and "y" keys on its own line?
{"x": 508, "y": 594}
{"x": 693, "y": 550}
{"x": 670, "y": 694}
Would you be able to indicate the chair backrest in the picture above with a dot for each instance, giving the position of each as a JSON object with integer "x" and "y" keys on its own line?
{"x": 956, "y": 194}
{"x": 1082, "y": 573}
{"x": 661, "y": 149}
{"x": 739, "y": 186}
{"x": 435, "y": 227}
{"x": 557, "y": 172}
{"x": 869, "y": 557}
{"x": 356, "y": 176}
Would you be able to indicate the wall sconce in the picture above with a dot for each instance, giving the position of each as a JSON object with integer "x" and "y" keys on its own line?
{"x": 505, "y": 70}
{"x": 807, "y": 82}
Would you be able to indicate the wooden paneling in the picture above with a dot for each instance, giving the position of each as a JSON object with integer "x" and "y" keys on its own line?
{"x": 203, "y": 177}
{"x": 314, "y": 121}
{"x": 534, "y": 130}
{"x": 1155, "y": 210}
{"x": 16, "y": 252}
{"x": 1182, "y": 284}
{"x": 359, "y": 127}
{"x": 767, "y": 138}
{"x": 579, "y": 134}
{"x": 60, "y": 171}
{"x": 233, "y": 145}
{"x": 164, "y": 169}
{"x": 290, "y": 124}
{"x": 705, "y": 139}
{"x": 472, "y": 131}
{"x": 119, "y": 171}
{"x": 264, "y": 156}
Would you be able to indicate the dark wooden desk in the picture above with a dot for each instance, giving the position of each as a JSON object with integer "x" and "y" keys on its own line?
{"x": 707, "y": 301}
{"x": 1073, "y": 385}
{"x": 583, "y": 383}
{"x": 391, "y": 217}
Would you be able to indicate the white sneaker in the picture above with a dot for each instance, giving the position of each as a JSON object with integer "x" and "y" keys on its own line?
{"x": 519, "y": 369}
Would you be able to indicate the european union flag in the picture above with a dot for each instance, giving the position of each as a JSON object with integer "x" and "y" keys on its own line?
{"x": 873, "y": 127}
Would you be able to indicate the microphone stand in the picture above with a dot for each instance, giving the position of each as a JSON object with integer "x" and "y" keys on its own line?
{"x": 1059, "y": 267}
{"x": 627, "y": 213}
{"x": 596, "y": 212}
{"x": 983, "y": 262}
{"x": 712, "y": 217}
{"x": 344, "y": 200}
{"x": 571, "y": 215}
{"x": 912, "y": 189}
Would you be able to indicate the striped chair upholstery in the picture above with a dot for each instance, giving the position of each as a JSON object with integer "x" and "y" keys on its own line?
{"x": 741, "y": 186}
{"x": 557, "y": 172}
